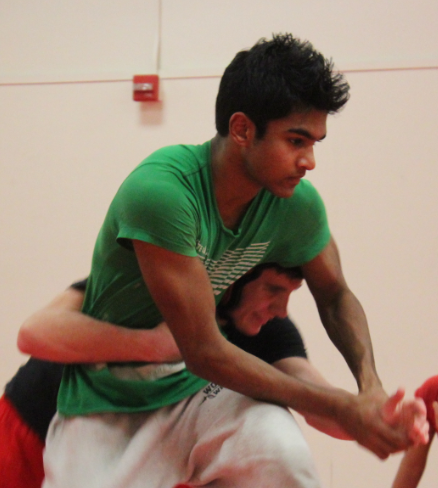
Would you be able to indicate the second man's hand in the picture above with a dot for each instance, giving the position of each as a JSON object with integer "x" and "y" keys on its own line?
{"x": 384, "y": 425}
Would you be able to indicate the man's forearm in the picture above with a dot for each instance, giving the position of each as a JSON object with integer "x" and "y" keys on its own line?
{"x": 412, "y": 467}
{"x": 342, "y": 315}
{"x": 302, "y": 369}
{"x": 345, "y": 322}
{"x": 359, "y": 417}
{"x": 59, "y": 332}
{"x": 235, "y": 369}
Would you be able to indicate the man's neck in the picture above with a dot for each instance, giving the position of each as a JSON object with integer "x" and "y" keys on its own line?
{"x": 234, "y": 192}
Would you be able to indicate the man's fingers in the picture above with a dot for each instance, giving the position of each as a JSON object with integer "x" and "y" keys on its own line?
{"x": 417, "y": 407}
{"x": 384, "y": 445}
{"x": 388, "y": 424}
{"x": 420, "y": 433}
{"x": 389, "y": 409}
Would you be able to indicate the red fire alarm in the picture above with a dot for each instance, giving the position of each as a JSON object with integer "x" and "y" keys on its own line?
{"x": 145, "y": 88}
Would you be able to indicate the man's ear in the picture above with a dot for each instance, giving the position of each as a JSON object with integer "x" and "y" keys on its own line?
{"x": 241, "y": 129}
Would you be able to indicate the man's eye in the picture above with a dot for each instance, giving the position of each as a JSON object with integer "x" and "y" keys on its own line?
{"x": 273, "y": 290}
{"x": 297, "y": 142}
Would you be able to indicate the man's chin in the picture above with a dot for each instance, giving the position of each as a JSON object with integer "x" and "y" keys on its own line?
{"x": 253, "y": 331}
{"x": 284, "y": 191}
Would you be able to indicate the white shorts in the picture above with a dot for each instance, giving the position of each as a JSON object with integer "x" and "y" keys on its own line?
{"x": 216, "y": 438}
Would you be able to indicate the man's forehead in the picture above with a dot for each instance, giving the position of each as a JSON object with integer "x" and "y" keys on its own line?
{"x": 311, "y": 124}
{"x": 277, "y": 276}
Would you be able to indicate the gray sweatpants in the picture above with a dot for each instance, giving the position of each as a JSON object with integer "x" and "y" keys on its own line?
{"x": 216, "y": 438}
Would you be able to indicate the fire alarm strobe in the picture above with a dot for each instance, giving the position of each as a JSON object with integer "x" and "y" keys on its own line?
{"x": 145, "y": 88}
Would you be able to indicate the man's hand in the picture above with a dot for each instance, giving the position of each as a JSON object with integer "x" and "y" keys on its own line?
{"x": 168, "y": 350}
{"x": 410, "y": 414}
{"x": 384, "y": 425}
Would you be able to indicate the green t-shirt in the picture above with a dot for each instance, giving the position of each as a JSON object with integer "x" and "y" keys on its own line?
{"x": 168, "y": 200}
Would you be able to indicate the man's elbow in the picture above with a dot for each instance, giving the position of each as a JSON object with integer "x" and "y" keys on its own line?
{"x": 30, "y": 338}
{"x": 25, "y": 339}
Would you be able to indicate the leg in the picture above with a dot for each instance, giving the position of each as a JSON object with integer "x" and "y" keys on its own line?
{"x": 21, "y": 450}
{"x": 118, "y": 450}
{"x": 245, "y": 443}
{"x": 216, "y": 438}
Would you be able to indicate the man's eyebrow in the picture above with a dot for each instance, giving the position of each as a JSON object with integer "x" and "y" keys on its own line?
{"x": 305, "y": 133}
{"x": 276, "y": 288}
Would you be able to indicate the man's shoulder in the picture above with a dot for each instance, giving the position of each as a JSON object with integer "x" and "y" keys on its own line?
{"x": 181, "y": 158}
{"x": 170, "y": 172}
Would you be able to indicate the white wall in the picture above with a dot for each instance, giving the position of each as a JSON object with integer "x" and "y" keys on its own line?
{"x": 70, "y": 133}
{"x": 377, "y": 174}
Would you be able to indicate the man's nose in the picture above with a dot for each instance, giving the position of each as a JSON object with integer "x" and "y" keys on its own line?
{"x": 307, "y": 159}
{"x": 279, "y": 308}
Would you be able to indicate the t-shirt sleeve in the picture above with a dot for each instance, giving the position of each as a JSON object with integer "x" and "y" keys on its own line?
{"x": 428, "y": 391}
{"x": 278, "y": 339}
{"x": 80, "y": 285}
{"x": 155, "y": 205}
{"x": 317, "y": 233}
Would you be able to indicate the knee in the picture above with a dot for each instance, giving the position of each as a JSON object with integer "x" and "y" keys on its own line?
{"x": 253, "y": 444}
{"x": 274, "y": 428}
{"x": 275, "y": 440}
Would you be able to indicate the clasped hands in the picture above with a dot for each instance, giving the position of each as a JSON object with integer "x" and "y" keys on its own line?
{"x": 408, "y": 414}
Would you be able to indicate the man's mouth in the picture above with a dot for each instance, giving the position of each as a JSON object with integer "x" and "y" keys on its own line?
{"x": 293, "y": 180}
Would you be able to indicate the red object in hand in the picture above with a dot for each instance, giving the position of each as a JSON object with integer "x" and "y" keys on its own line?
{"x": 145, "y": 88}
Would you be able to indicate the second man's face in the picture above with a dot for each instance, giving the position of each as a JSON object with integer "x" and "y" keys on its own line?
{"x": 263, "y": 299}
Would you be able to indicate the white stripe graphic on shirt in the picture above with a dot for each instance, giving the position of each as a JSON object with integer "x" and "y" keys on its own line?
{"x": 232, "y": 265}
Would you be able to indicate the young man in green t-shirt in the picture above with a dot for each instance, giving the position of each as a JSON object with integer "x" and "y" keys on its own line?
{"x": 189, "y": 221}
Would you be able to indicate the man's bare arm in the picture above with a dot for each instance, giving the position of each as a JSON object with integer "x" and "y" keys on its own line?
{"x": 345, "y": 322}
{"x": 60, "y": 332}
{"x": 304, "y": 370}
{"x": 411, "y": 411}
{"x": 182, "y": 291}
{"x": 412, "y": 466}
{"x": 342, "y": 315}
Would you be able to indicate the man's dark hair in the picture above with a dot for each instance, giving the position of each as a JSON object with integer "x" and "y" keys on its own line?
{"x": 232, "y": 297}
{"x": 276, "y": 78}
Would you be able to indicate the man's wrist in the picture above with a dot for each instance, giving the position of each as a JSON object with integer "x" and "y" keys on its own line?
{"x": 368, "y": 382}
